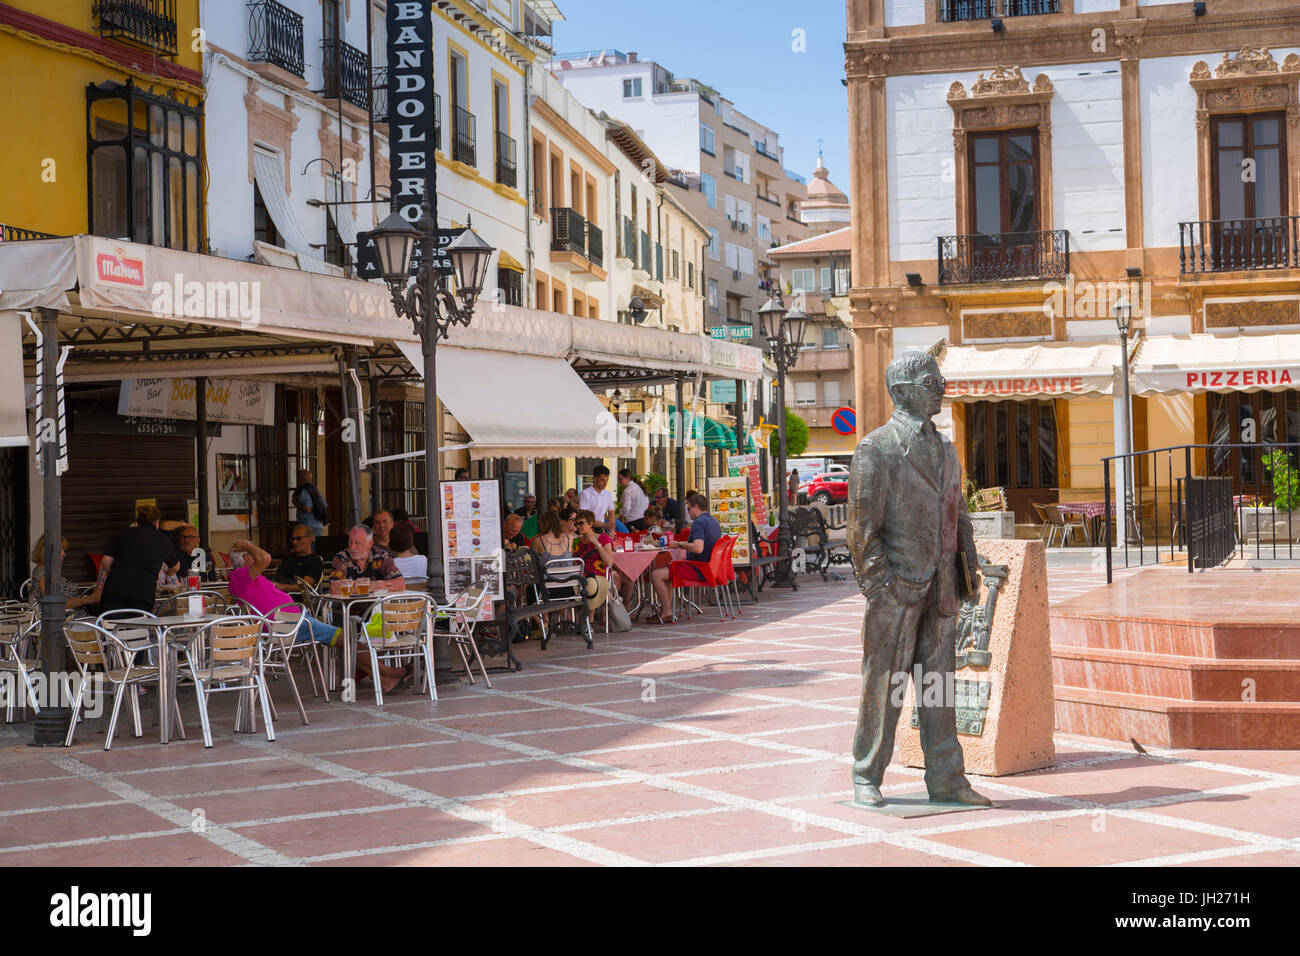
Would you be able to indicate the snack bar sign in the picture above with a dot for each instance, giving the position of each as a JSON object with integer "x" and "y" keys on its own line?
{"x": 410, "y": 98}
{"x": 227, "y": 400}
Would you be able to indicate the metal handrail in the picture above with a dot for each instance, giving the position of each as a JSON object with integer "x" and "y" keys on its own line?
{"x": 147, "y": 23}
{"x": 275, "y": 36}
{"x": 568, "y": 231}
{"x": 1238, "y": 245}
{"x": 507, "y": 166}
{"x": 1004, "y": 256}
{"x": 464, "y": 136}
{"x": 346, "y": 71}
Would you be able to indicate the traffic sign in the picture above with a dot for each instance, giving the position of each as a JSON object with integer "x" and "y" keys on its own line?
{"x": 845, "y": 421}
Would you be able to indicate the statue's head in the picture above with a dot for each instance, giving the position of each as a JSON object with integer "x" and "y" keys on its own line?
{"x": 915, "y": 384}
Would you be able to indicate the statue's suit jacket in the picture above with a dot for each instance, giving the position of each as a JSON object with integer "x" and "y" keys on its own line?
{"x": 908, "y": 519}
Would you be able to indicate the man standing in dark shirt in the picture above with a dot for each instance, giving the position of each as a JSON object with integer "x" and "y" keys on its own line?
{"x": 302, "y": 561}
{"x": 129, "y": 570}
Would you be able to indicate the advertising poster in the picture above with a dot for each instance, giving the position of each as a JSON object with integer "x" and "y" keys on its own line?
{"x": 729, "y": 503}
{"x": 746, "y": 466}
{"x": 232, "y": 485}
{"x": 471, "y": 538}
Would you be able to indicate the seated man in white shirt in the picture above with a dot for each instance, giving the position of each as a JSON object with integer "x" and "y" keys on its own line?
{"x": 599, "y": 500}
{"x": 635, "y": 501}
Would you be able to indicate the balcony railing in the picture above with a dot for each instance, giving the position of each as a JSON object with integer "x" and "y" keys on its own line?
{"x": 1030, "y": 8}
{"x": 646, "y": 252}
{"x": 595, "y": 246}
{"x": 772, "y": 199}
{"x": 954, "y": 10}
{"x": 568, "y": 231}
{"x": 275, "y": 36}
{"x": 347, "y": 73}
{"x": 629, "y": 240}
{"x": 762, "y": 151}
{"x": 1004, "y": 256}
{"x": 507, "y": 169}
{"x": 1237, "y": 245}
{"x": 147, "y": 23}
{"x": 15, "y": 234}
{"x": 463, "y": 136}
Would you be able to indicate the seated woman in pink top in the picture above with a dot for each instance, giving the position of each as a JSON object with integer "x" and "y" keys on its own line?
{"x": 248, "y": 583}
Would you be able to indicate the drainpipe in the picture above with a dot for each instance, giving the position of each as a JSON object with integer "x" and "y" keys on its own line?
{"x": 529, "y": 292}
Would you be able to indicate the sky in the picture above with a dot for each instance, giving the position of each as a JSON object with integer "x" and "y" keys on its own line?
{"x": 744, "y": 49}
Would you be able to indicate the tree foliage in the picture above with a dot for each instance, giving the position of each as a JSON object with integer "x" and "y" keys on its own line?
{"x": 796, "y": 434}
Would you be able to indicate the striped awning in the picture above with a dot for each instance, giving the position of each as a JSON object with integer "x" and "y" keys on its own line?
{"x": 269, "y": 173}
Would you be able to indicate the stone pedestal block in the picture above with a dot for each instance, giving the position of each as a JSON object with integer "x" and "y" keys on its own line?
{"x": 1014, "y": 733}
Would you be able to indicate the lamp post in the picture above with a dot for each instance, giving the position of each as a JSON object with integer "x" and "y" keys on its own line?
{"x": 434, "y": 305}
{"x": 784, "y": 332}
{"x": 1124, "y": 321}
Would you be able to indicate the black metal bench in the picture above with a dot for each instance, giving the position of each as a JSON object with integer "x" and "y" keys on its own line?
{"x": 525, "y": 577}
{"x": 762, "y": 567}
{"x": 811, "y": 533}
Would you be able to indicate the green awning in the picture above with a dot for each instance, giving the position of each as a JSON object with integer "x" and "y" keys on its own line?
{"x": 709, "y": 432}
{"x": 695, "y": 423}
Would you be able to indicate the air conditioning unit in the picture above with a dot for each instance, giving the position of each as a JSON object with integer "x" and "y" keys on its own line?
{"x": 735, "y": 274}
{"x": 743, "y": 226}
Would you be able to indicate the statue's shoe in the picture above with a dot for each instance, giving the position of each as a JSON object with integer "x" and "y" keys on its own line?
{"x": 962, "y": 795}
{"x": 868, "y": 795}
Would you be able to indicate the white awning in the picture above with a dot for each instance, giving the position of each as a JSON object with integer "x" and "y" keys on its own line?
{"x": 13, "y": 396}
{"x": 343, "y": 214}
{"x": 523, "y": 406}
{"x": 1039, "y": 370}
{"x": 1218, "y": 363}
{"x": 269, "y": 173}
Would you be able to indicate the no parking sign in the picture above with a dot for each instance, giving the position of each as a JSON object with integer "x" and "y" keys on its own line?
{"x": 844, "y": 421}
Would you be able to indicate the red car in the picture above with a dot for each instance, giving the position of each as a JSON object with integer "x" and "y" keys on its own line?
{"x": 830, "y": 488}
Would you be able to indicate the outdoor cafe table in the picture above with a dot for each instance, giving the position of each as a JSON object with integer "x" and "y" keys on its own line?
{"x": 634, "y": 564}
{"x": 346, "y": 603}
{"x": 167, "y": 664}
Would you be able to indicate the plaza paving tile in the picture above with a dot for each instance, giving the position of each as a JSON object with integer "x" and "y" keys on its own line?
{"x": 700, "y": 743}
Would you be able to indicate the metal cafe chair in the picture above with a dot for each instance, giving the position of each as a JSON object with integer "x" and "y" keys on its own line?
{"x": 461, "y": 613}
{"x": 279, "y": 638}
{"x": 95, "y": 646}
{"x": 139, "y": 639}
{"x": 18, "y": 656}
{"x": 406, "y": 635}
{"x": 225, "y": 655}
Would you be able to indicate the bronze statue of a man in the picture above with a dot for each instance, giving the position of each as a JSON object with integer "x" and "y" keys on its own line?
{"x": 908, "y": 531}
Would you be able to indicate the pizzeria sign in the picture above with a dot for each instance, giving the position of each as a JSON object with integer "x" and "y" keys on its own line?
{"x": 1216, "y": 379}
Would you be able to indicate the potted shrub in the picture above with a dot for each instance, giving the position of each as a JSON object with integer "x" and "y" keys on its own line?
{"x": 1281, "y": 520}
{"x": 988, "y": 516}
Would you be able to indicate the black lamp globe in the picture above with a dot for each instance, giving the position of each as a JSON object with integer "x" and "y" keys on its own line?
{"x": 1124, "y": 315}
{"x": 469, "y": 255}
{"x": 771, "y": 315}
{"x": 796, "y": 320}
{"x": 395, "y": 240}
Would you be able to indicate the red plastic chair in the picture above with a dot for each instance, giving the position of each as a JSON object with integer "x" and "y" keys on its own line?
{"x": 729, "y": 571}
{"x": 710, "y": 574}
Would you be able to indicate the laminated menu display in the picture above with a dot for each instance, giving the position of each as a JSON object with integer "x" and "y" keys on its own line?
{"x": 729, "y": 503}
{"x": 746, "y": 466}
{"x": 471, "y": 539}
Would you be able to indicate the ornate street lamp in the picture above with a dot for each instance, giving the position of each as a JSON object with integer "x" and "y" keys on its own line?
{"x": 784, "y": 333}
{"x": 434, "y": 306}
{"x": 1124, "y": 321}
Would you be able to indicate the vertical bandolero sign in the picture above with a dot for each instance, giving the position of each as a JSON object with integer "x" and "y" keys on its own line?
{"x": 410, "y": 103}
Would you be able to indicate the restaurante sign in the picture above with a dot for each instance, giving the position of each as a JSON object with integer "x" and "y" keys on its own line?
{"x": 410, "y": 99}
{"x": 1053, "y": 385}
{"x": 228, "y": 400}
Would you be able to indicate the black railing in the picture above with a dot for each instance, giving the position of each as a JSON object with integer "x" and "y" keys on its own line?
{"x": 463, "y": 136}
{"x": 1030, "y": 8}
{"x": 772, "y": 199}
{"x": 1004, "y": 256}
{"x": 1239, "y": 245}
{"x": 1192, "y": 503}
{"x": 568, "y": 231}
{"x": 595, "y": 246}
{"x": 952, "y": 10}
{"x": 15, "y": 234}
{"x": 507, "y": 170}
{"x": 147, "y": 23}
{"x": 347, "y": 73}
{"x": 762, "y": 151}
{"x": 629, "y": 240}
{"x": 275, "y": 36}
{"x": 646, "y": 252}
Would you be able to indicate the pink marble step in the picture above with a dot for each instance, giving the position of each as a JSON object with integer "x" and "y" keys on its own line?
{"x": 1179, "y": 678}
{"x": 1215, "y": 640}
{"x": 1166, "y": 722}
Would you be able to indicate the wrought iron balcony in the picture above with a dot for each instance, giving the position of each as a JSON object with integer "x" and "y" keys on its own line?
{"x": 1004, "y": 256}
{"x": 464, "y": 135}
{"x": 568, "y": 231}
{"x": 147, "y": 23}
{"x": 1239, "y": 245}
{"x": 507, "y": 169}
{"x": 275, "y": 36}
{"x": 347, "y": 73}
{"x": 954, "y": 10}
{"x": 1030, "y": 8}
{"x": 646, "y": 252}
{"x": 14, "y": 234}
{"x": 595, "y": 246}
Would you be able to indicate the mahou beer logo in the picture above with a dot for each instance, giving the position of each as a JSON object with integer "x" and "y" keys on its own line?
{"x": 119, "y": 268}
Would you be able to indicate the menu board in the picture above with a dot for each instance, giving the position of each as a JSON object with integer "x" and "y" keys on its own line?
{"x": 471, "y": 539}
{"x": 746, "y": 466}
{"x": 729, "y": 504}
